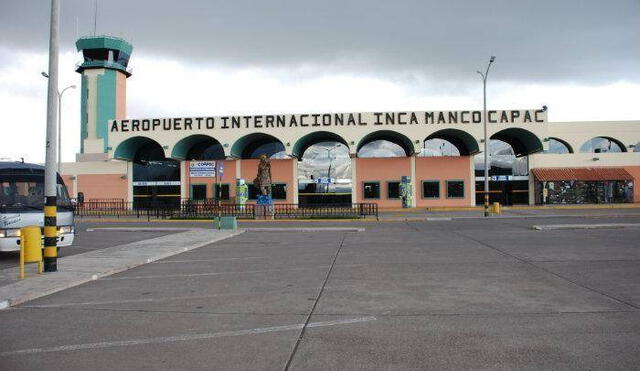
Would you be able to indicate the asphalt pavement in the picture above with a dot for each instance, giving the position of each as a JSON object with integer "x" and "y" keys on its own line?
{"x": 466, "y": 293}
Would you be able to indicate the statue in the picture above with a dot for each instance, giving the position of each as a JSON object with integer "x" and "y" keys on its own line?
{"x": 263, "y": 180}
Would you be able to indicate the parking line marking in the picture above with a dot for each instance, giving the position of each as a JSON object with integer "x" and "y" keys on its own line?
{"x": 209, "y": 274}
{"x": 206, "y": 260}
{"x": 179, "y": 338}
{"x": 171, "y": 298}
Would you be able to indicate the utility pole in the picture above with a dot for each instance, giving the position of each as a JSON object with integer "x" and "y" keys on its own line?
{"x": 50, "y": 178}
{"x": 486, "y": 140}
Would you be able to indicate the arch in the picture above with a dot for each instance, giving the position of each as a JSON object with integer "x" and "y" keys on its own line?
{"x": 308, "y": 140}
{"x": 522, "y": 141}
{"x": 588, "y": 146}
{"x": 463, "y": 141}
{"x": 558, "y": 145}
{"x": 198, "y": 147}
{"x": 391, "y": 136}
{"x": 128, "y": 149}
{"x": 246, "y": 146}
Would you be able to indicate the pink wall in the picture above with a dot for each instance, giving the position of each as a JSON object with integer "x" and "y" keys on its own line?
{"x": 381, "y": 170}
{"x": 281, "y": 172}
{"x": 443, "y": 169}
{"x": 102, "y": 186}
{"x": 228, "y": 176}
{"x": 68, "y": 182}
{"x": 635, "y": 173}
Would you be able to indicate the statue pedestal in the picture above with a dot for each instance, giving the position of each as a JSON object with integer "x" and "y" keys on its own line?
{"x": 264, "y": 207}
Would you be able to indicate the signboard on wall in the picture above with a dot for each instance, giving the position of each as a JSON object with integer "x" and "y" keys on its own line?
{"x": 322, "y": 121}
{"x": 159, "y": 183}
{"x": 201, "y": 169}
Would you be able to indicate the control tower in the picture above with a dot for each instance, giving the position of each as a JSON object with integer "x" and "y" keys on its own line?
{"x": 104, "y": 91}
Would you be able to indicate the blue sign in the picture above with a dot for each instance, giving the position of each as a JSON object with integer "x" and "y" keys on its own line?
{"x": 221, "y": 168}
{"x": 264, "y": 200}
{"x": 324, "y": 180}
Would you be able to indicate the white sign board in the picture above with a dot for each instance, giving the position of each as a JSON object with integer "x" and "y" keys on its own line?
{"x": 201, "y": 169}
{"x": 324, "y": 180}
{"x": 159, "y": 183}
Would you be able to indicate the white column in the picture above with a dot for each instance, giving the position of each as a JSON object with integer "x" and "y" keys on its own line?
{"x": 472, "y": 181}
{"x": 238, "y": 169}
{"x": 295, "y": 179}
{"x": 184, "y": 192}
{"x": 129, "y": 181}
{"x": 532, "y": 196}
{"x": 414, "y": 201}
{"x": 354, "y": 178}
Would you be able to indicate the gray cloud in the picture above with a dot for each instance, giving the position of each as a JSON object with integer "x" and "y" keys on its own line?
{"x": 580, "y": 41}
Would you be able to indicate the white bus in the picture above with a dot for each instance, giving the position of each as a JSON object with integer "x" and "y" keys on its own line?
{"x": 22, "y": 204}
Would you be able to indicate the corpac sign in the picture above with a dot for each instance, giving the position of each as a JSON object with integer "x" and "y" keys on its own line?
{"x": 201, "y": 169}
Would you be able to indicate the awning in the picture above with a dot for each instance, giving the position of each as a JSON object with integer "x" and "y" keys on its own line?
{"x": 581, "y": 173}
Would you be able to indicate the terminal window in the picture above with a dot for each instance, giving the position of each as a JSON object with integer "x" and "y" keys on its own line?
{"x": 198, "y": 191}
{"x": 430, "y": 189}
{"x": 371, "y": 190}
{"x": 455, "y": 189}
{"x": 221, "y": 191}
{"x": 393, "y": 190}
{"x": 278, "y": 191}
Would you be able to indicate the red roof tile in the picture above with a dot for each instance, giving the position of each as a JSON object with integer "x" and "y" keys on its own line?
{"x": 581, "y": 173}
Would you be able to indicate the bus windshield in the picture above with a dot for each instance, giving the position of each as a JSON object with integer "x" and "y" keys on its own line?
{"x": 25, "y": 192}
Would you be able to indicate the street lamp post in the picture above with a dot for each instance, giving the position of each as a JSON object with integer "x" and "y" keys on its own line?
{"x": 486, "y": 140}
{"x": 330, "y": 161}
{"x": 59, "y": 119}
{"x": 60, "y": 124}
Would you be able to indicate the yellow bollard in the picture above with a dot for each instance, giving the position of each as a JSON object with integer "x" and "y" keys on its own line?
{"x": 496, "y": 208}
{"x": 30, "y": 247}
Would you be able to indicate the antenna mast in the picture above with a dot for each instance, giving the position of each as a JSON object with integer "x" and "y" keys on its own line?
{"x": 95, "y": 18}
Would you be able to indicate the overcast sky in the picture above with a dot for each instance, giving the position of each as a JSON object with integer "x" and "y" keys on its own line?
{"x": 204, "y": 57}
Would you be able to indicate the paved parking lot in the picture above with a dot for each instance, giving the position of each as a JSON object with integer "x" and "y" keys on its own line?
{"x": 460, "y": 294}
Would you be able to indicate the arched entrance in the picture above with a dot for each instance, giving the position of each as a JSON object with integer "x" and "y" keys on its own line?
{"x": 156, "y": 179}
{"x": 508, "y": 167}
{"x": 324, "y": 169}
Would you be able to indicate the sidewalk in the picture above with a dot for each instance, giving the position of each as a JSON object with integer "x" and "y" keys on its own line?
{"x": 78, "y": 269}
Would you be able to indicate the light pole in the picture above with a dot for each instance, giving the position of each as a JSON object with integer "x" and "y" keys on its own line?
{"x": 330, "y": 161}
{"x": 50, "y": 202}
{"x": 486, "y": 140}
{"x": 59, "y": 119}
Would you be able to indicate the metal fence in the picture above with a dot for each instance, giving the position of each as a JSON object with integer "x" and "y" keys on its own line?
{"x": 209, "y": 208}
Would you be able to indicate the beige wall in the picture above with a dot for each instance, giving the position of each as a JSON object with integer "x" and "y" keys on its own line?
{"x": 575, "y": 133}
{"x": 121, "y": 95}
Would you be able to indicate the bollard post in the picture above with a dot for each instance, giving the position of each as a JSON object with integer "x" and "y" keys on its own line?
{"x": 496, "y": 208}
{"x": 30, "y": 248}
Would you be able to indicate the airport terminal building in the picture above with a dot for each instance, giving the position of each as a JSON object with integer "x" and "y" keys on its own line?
{"x": 163, "y": 160}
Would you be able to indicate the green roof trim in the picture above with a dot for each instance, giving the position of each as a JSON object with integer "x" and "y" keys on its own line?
{"x": 104, "y": 42}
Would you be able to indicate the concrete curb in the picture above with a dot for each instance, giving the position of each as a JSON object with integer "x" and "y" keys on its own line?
{"x": 82, "y": 268}
{"x": 554, "y": 227}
